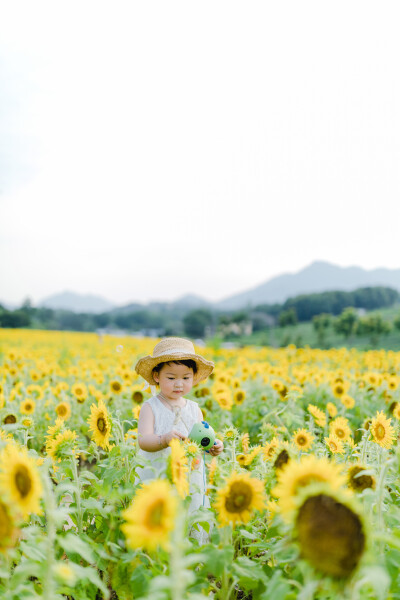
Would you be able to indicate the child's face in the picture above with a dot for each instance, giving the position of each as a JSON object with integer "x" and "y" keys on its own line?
{"x": 174, "y": 380}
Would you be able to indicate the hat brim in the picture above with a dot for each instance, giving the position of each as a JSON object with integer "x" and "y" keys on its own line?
{"x": 145, "y": 365}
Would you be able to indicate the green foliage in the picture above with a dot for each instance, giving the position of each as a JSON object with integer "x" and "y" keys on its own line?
{"x": 346, "y": 323}
{"x": 287, "y": 317}
{"x": 373, "y": 326}
{"x": 196, "y": 321}
{"x": 370, "y": 298}
{"x": 321, "y": 323}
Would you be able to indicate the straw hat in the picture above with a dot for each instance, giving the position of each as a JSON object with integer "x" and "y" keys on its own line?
{"x": 170, "y": 349}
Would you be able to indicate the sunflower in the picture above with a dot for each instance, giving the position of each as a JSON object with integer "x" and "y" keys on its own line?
{"x": 178, "y": 468}
{"x": 225, "y": 401}
{"x": 334, "y": 444}
{"x": 150, "y": 518}
{"x": 282, "y": 459}
{"x": 80, "y": 392}
{"x": 241, "y": 459}
{"x": 393, "y": 382}
{"x": 338, "y": 389}
{"x": 245, "y": 441}
{"x": 27, "y": 407}
{"x": 53, "y": 430}
{"x": 303, "y": 439}
{"x": 62, "y": 446}
{"x": 63, "y": 410}
{"x": 100, "y": 425}
{"x": 136, "y": 411}
{"x": 27, "y": 422}
{"x": 10, "y": 419}
{"x": 131, "y": 435}
{"x": 192, "y": 449}
{"x": 247, "y": 459}
{"x": 347, "y": 401}
{"x": 241, "y": 496}
{"x": 19, "y": 476}
{"x": 357, "y": 481}
{"x": 297, "y": 475}
{"x": 332, "y": 410}
{"x": 269, "y": 449}
{"x": 340, "y": 428}
{"x": 319, "y": 416}
{"x": 8, "y": 526}
{"x": 116, "y": 386}
{"x": 382, "y": 431}
{"x": 329, "y": 531}
{"x": 230, "y": 433}
{"x": 396, "y": 411}
{"x": 137, "y": 396}
{"x": 239, "y": 396}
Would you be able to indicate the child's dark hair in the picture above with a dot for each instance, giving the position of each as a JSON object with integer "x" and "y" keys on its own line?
{"x": 190, "y": 364}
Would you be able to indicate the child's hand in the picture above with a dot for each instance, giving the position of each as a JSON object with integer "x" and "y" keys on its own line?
{"x": 217, "y": 448}
{"x": 171, "y": 435}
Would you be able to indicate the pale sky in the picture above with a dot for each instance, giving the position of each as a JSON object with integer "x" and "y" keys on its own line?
{"x": 153, "y": 149}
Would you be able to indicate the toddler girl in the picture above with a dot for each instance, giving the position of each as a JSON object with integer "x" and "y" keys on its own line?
{"x": 175, "y": 368}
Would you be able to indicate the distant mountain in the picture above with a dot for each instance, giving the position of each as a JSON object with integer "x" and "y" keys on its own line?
{"x": 191, "y": 301}
{"x": 318, "y": 277}
{"x": 77, "y": 303}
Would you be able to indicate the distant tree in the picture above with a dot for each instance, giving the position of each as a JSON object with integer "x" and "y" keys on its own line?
{"x": 14, "y": 318}
{"x": 287, "y": 317}
{"x": 321, "y": 323}
{"x": 196, "y": 321}
{"x": 396, "y": 322}
{"x": 345, "y": 323}
{"x": 239, "y": 317}
{"x": 374, "y": 327}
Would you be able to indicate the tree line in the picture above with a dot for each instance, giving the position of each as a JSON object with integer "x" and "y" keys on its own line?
{"x": 164, "y": 319}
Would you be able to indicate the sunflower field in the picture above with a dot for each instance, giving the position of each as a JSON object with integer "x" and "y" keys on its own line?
{"x": 304, "y": 499}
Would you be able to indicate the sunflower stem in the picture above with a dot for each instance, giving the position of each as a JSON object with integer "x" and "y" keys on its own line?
{"x": 233, "y": 455}
{"x": 178, "y": 586}
{"x": 225, "y": 590}
{"x": 50, "y": 508}
{"x": 364, "y": 446}
{"x": 381, "y": 484}
{"x": 77, "y": 482}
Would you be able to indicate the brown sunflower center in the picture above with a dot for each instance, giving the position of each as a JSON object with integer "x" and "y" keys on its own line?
{"x": 101, "y": 424}
{"x": 155, "y": 514}
{"x": 116, "y": 386}
{"x": 301, "y": 440}
{"x": 330, "y": 535}
{"x": 282, "y": 459}
{"x": 61, "y": 410}
{"x": 10, "y": 419}
{"x": 360, "y": 482}
{"x": 138, "y": 397}
{"x": 340, "y": 433}
{"x": 23, "y": 481}
{"x": 239, "y": 498}
{"x": 380, "y": 431}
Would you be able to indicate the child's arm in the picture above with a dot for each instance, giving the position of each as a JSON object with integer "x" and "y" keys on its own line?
{"x": 218, "y": 445}
{"x": 147, "y": 439}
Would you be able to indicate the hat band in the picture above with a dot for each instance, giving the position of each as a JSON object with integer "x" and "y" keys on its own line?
{"x": 178, "y": 351}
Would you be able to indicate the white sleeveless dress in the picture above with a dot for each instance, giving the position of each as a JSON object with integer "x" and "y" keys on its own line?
{"x": 155, "y": 462}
